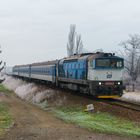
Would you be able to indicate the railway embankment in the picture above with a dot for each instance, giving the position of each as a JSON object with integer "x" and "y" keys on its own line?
{"x": 106, "y": 118}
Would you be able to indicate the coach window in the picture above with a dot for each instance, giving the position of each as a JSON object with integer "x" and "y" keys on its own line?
{"x": 79, "y": 66}
{"x": 91, "y": 63}
{"x": 84, "y": 65}
{"x": 75, "y": 66}
{"x": 72, "y": 65}
{"x": 67, "y": 66}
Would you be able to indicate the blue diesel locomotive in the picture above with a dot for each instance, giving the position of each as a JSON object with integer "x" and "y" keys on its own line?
{"x": 98, "y": 74}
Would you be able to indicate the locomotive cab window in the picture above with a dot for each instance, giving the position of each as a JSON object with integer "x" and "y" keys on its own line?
{"x": 109, "y": 63}
{"x": 102, "y": 63}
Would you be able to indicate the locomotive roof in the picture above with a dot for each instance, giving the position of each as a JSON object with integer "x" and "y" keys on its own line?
{"x": 89, "y": 56}
{"x": 101, "y": 54}
{"x": 26, "y": 65}
{"x": 75, "y": 57}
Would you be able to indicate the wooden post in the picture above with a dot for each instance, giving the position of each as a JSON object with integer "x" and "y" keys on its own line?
{"x": 133, "y": 87}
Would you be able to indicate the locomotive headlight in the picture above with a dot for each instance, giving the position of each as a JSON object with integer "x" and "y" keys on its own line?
{"x": 119, "y": 83}
{"x": 100, "y": 83}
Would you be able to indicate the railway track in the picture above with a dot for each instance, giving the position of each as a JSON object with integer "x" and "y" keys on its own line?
{"x": 126, "y": 104}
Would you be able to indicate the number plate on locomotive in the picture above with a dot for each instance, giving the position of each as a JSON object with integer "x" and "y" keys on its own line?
{"x": 109, "y": 83}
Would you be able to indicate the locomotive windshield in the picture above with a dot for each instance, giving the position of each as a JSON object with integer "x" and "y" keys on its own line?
{"x": 109, "y": 63}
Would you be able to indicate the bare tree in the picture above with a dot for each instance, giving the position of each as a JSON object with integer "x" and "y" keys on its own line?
{"x": 131, "y": 53}
{"x": 79, "y": 44}
{"x": 74, "y": 45}
{"x": 71, "y": 40}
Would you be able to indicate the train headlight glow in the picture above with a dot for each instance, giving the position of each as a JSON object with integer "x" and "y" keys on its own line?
{"x": 119, "y": 83}
{"x": 100, "y": 83}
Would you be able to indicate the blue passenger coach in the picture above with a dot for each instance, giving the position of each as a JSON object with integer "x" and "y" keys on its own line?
{"x": 45, "y": 71}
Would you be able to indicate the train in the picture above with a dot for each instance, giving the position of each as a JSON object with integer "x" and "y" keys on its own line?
{"x": 98, "y": 74}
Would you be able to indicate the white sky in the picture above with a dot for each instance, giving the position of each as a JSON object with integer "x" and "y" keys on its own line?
{"x": 37, "y": 30}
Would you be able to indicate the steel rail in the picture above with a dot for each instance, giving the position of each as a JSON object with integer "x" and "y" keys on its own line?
{"x": 126, "y": 104}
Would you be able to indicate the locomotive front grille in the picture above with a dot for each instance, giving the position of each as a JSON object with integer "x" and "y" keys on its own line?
{"x": 107, "y": 88}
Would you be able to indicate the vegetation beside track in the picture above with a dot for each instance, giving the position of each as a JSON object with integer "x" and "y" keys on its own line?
{"x": 6, "y": 120}
{"x": 98, "y": 122}
{"x": 3, "y": 89}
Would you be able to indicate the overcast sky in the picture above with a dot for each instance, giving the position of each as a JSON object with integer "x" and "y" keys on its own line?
{"x": 37, "y": 30}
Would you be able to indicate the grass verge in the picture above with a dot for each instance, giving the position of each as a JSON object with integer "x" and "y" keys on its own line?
{"x": 4, "y": 89}
{"x": 99, "y": 122}
{"x": 5, "y": 118}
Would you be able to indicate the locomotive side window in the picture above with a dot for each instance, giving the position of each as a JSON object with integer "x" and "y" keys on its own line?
{"x": 91, "y": 63}
{"x": 116, "y": 63}
{"x": 119, "y": 64}
{"x": 113, "y": 64}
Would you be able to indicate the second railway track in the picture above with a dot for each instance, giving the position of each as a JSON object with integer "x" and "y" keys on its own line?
{"x": 126, "y": 104}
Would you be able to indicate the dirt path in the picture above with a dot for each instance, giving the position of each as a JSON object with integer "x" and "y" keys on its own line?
{"x": 32, "y": 123}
